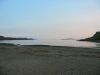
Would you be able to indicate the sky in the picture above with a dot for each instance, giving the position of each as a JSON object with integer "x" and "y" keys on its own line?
{"x": 49, "y": 18}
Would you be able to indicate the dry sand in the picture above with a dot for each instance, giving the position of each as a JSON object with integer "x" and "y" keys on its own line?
{"x": 48, "y": 60}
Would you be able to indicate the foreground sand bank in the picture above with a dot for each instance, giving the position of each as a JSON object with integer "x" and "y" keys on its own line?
{"x": 48, "y": 60}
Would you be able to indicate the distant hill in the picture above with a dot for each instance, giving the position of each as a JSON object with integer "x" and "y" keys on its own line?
{"x": 94, "y": 38}
{"x": 68, "y": 39}
{"x": 13, "y": 38}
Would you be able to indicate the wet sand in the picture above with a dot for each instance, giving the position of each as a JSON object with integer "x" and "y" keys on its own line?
{"x": 48, "y": 60}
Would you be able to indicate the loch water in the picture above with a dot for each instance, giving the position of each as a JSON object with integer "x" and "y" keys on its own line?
{"x": 54, "y": 42}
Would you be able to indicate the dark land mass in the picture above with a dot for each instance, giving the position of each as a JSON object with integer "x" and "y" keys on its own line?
{"x": 94, "y": 38}
{"x": 13, "y": 38}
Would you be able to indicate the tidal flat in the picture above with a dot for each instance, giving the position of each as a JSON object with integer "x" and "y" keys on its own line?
{"x": 48, "y": 60}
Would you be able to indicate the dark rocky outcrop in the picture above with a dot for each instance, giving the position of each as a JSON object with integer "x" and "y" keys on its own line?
{"x": 94, "y": 38}
{"x": 13, "y": 38}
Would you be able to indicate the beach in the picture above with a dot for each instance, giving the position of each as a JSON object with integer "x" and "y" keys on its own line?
{"x": 48, "y": 60}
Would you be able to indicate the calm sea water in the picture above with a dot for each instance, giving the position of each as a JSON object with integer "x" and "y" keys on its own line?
{"x": 71, "y": 43}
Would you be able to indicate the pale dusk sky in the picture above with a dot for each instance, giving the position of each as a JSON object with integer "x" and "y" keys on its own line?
{"x": 49, "y": 18}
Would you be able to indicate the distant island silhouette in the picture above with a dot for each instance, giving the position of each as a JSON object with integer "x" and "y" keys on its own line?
{"x": 68, "y": 39}
{"x": 94, "y": 38}
{"x": 13, "y": 38}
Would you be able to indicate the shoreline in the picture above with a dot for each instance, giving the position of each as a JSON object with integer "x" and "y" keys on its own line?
{"x": 48, "y": 60}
